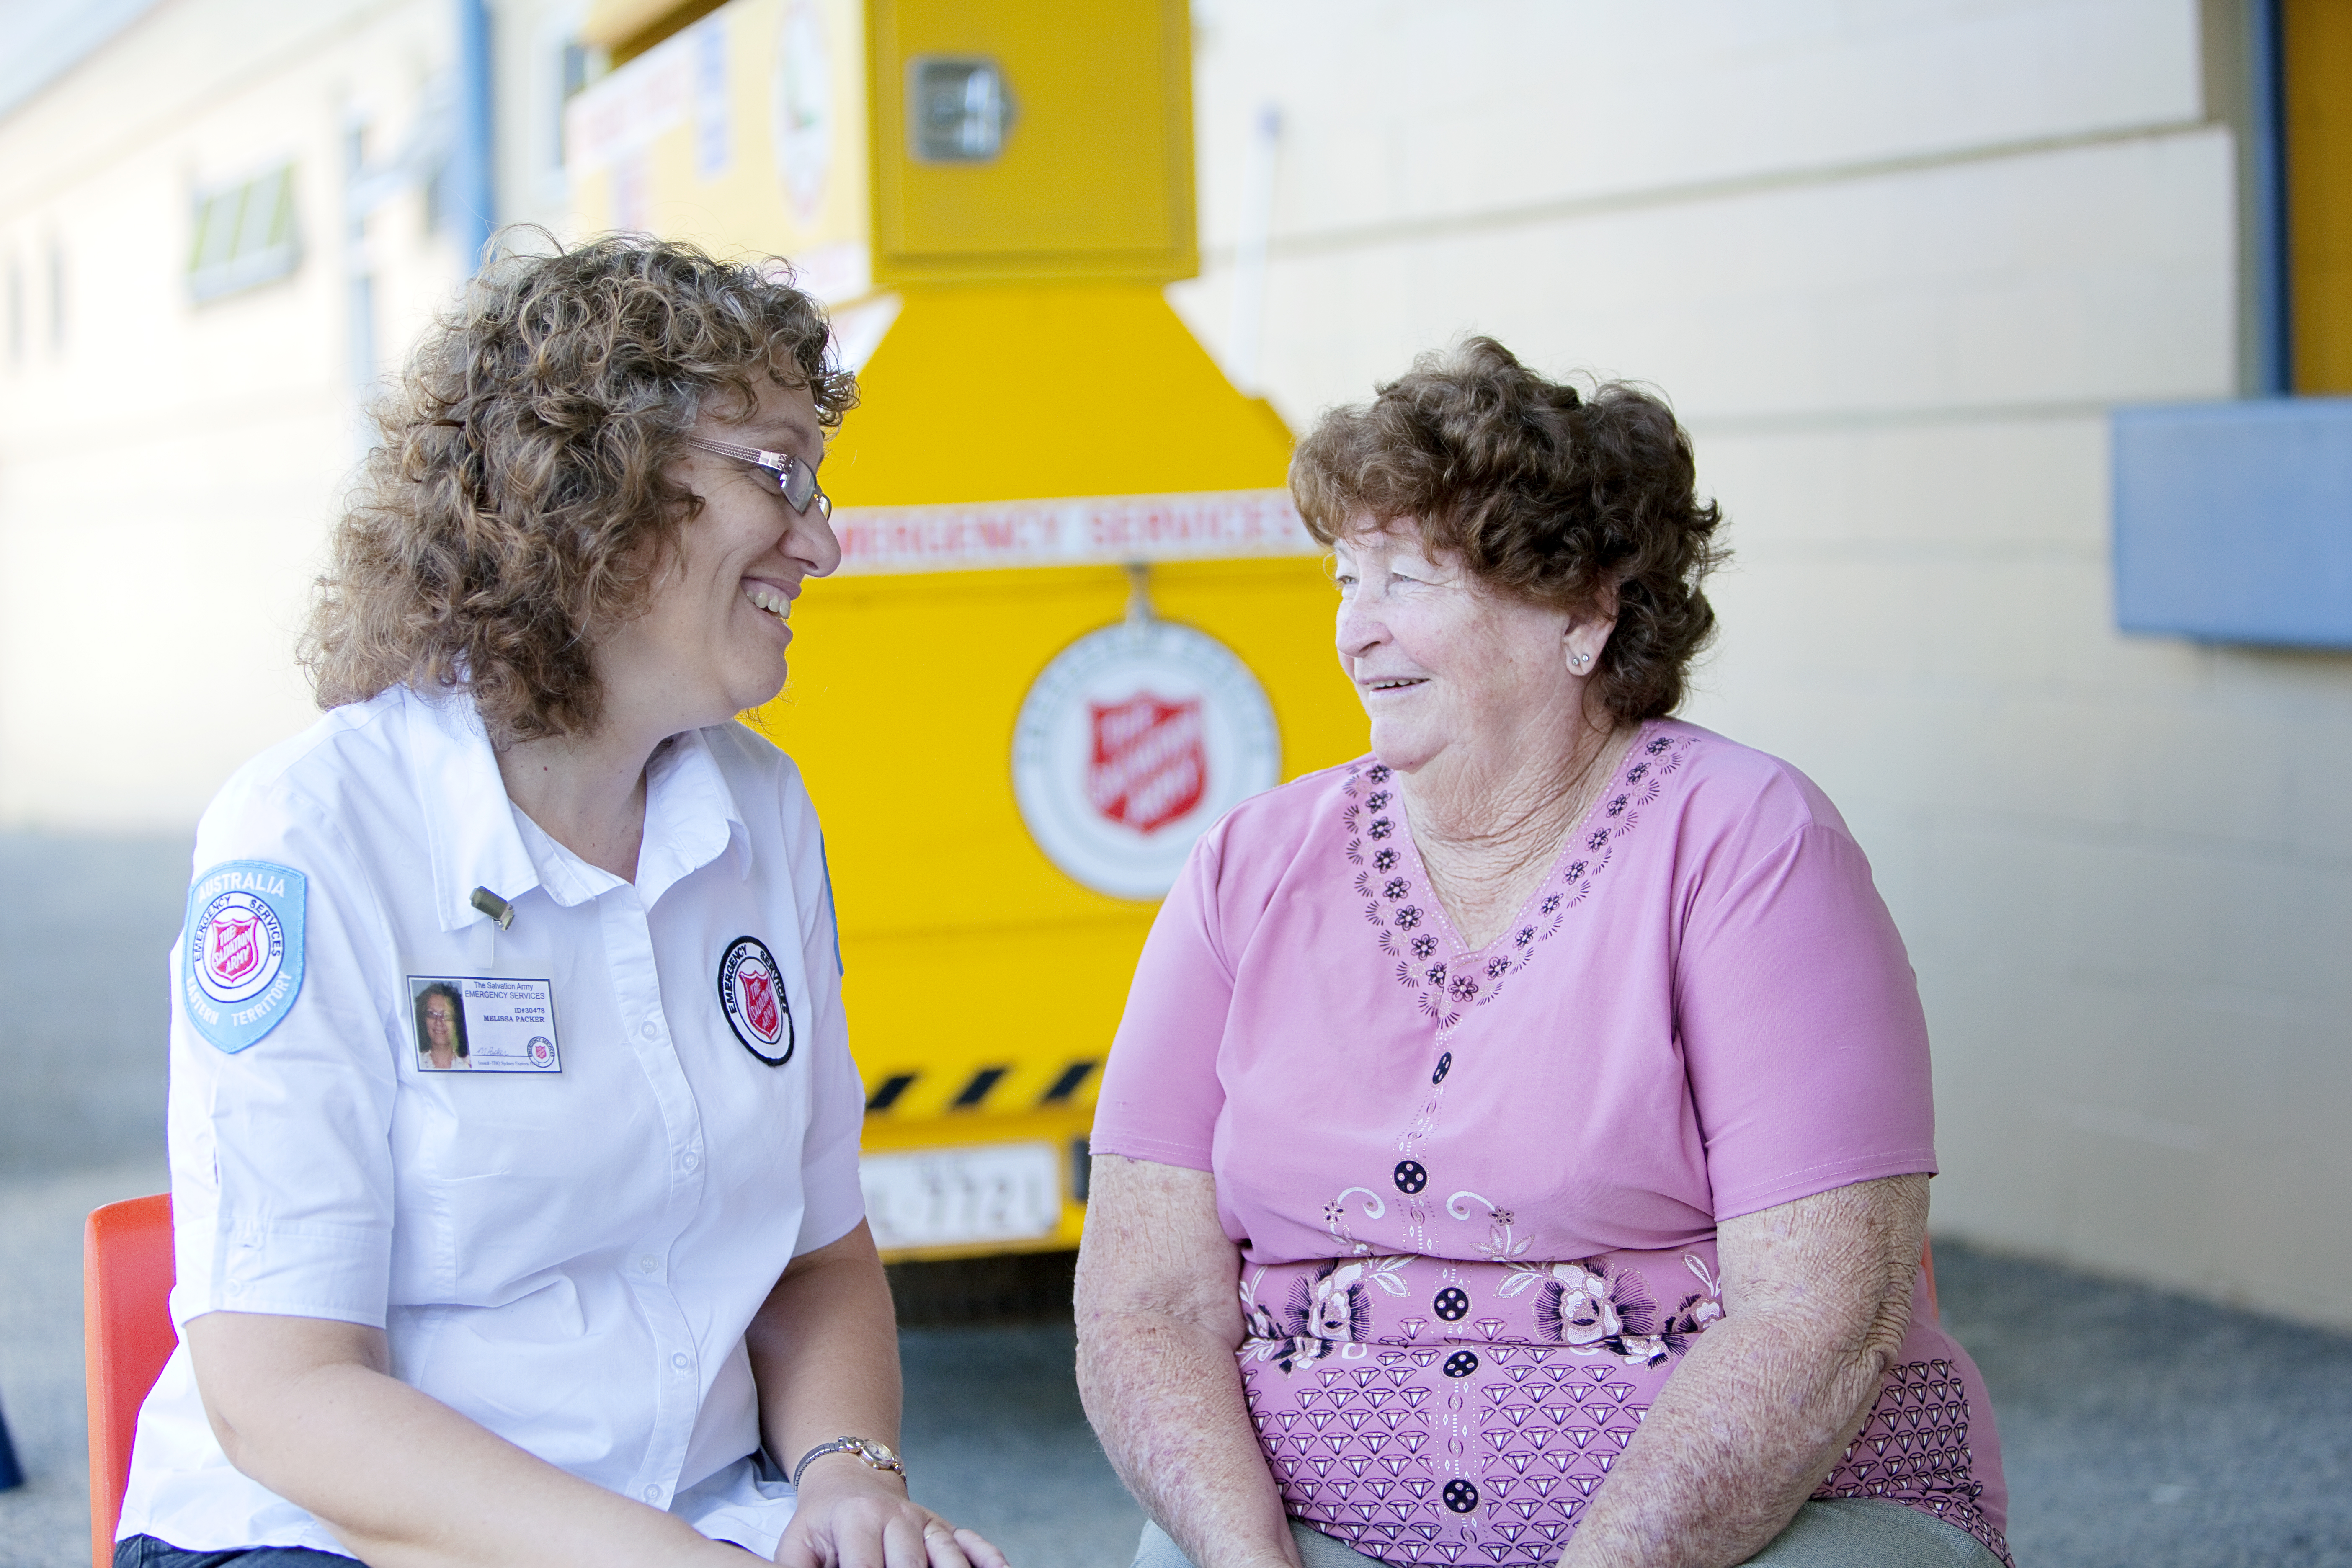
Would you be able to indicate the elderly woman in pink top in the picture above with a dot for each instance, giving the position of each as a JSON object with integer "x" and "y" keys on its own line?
{"x": 1516, "y": 1149}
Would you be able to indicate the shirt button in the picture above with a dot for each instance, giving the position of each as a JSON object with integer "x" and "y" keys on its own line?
{"x": 650, "y": 1029}
{"x": 679, "y": 1360}
{"x": 691, "y": 1160}
{"x": 652, "y": 1494}
{"x": 647, "y": 1264}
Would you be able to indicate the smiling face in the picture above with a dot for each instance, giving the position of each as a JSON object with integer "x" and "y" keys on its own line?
{"x": 439, "y": 1019}
{"x": 1446, "y": 666}
{"x": 712, "y": 638}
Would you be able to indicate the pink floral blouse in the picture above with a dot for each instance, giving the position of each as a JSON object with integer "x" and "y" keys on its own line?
{"x": 1475, "y": 1192}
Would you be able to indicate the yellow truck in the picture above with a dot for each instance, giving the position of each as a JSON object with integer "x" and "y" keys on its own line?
{"x": 1077, "y": 618}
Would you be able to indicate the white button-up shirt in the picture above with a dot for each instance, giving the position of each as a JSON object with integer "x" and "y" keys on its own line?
{"x": 569, "y": 1254}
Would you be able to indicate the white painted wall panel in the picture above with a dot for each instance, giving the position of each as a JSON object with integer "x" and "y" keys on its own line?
{"x": 2087, "y": 275}
{"x": 2119, "y": 863}
{"x": 1400, "y": 112}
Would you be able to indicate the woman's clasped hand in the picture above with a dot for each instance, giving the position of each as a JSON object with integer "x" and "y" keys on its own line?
{"x": 1516, "y": 1147}
{"x": 852, "y": 1518}
{"x": 513, "y": 1123}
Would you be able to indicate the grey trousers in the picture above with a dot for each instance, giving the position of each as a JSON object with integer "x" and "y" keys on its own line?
{"x": 1844, "y": 1533}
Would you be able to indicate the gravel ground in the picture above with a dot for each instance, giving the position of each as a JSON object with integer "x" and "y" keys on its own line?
{"x": 2143, "y": 1430}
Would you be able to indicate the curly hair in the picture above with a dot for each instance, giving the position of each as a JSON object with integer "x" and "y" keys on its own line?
{"x": 1541, "y": 493}
{"x": 517, "y": 501}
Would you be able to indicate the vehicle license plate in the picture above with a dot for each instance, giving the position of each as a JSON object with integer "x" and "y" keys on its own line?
{"x": 948, "y": 1197}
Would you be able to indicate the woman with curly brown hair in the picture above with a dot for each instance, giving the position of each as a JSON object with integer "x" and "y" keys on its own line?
{"x": 607, "y": 1296}
{"x": 1537, "y": 1108}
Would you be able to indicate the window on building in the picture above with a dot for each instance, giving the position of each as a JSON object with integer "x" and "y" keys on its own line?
{"x": 575, "y": 68}
{"x": 244, "y": 235}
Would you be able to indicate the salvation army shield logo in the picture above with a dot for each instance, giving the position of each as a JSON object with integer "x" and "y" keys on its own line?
{"x": 241, "y": 946}
{"x": 752, "y": 991}
{"x": 1149, "y": 763}
{"x": 1132, "y": 740}
{"x": 241, "y": 963}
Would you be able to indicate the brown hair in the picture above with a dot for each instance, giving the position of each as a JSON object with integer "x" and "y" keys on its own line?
{"x": 1540, "y": 492}
{"x": 516, "y": 503}
{"x": 457, "y": 1019}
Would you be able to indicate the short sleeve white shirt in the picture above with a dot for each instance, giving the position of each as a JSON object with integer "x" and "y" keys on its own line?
{"x": 569, "y": 1256}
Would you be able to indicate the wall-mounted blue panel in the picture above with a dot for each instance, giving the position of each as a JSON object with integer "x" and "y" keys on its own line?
{"x": 2234, "y": 521}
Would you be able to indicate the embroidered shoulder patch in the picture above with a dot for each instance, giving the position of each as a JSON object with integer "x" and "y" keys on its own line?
{"x": 751, "y": 993}
{"x": 241, "y": 964}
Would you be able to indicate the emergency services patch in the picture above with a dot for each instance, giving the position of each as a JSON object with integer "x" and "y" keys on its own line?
{"x": 751, "y": 990}
{"x": 241, "y": 966}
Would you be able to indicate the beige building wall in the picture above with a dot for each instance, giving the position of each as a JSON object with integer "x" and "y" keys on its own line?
{"x": 167, "y": 469}
{"x": 1894, "y": 264}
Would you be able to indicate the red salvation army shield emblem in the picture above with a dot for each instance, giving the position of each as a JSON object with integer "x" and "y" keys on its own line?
{"x": 760, "y": 1008}
{"x": 751, "y": 994}
{"x": 1150, "y": 762}
{"x": 233, "y": 948}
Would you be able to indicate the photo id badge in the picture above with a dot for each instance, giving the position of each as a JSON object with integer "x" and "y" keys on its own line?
{"x": 473, "y": 1023}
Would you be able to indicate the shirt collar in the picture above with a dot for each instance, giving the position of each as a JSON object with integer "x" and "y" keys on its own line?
{"x": 469, "y": 829}
{"x": 476, "y": 839}
{"x": 691, "y": 817}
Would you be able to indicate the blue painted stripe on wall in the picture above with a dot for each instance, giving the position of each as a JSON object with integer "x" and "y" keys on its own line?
{"x": 2234, "y": 521}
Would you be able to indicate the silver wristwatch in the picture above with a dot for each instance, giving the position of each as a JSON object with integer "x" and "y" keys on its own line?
{"x": 875, "y": 1455}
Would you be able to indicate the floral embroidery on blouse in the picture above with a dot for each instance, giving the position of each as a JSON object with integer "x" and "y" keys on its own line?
{"x": 1444, "y": 988}
{"x": 1327, "y": 1312}
{"x": 1591, "y": 1311}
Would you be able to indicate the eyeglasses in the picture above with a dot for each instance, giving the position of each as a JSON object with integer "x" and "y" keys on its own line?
{"x": 792, "y": 479}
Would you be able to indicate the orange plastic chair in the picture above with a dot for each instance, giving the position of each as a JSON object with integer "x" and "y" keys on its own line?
{"x": 127, "y": 1336}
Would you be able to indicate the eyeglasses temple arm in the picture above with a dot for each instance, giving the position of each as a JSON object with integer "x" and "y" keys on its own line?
{"x": 746, "y": 454}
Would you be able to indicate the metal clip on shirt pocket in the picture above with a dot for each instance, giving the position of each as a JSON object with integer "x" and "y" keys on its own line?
{"x": 486, "y": 936}
{"x": 485, "y": 1021}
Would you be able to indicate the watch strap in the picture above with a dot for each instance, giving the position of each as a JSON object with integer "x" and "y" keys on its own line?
{"x": 873, "y": 1455}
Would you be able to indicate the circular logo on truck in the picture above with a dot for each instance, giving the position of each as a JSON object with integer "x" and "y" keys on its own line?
{"x": 1132, "y": 740}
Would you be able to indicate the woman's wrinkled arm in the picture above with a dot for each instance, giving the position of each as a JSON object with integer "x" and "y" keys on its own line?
{"x": 1817, "y": 1299}
{"x": 310, "y": 1409}
{"x": 1159, "y": 1321}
